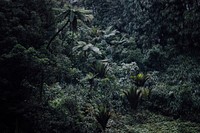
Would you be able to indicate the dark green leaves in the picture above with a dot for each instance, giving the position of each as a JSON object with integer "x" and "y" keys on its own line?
{"x": 133, "y": 96}
{"x": 103, "y": 116}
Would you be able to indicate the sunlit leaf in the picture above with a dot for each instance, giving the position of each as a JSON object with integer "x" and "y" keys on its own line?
{"x": 96, "y": 50}
{"x": 86, "y": 47}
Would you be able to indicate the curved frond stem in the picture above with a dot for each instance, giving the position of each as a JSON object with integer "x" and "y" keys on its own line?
{"x": 56, "y": 34}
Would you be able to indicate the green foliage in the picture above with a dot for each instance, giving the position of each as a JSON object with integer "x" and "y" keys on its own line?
{"x": 90, "y": 77}
{"x": 100, "y": 69}
{"x": 140, "y": 79}
{"x": 26, "y": 26}
{"x": 43, "y": 87}
{"x": 156, "y": 58}
{"x": 83, "y": 48}
{"x": 103, "y": 116}
{"x": 175, "y": 100}
{"x": 133, "y": 96}
{"x": 70, "y": 17}
{"x": 102, "y": 10}
{"x": 167, "y": 23}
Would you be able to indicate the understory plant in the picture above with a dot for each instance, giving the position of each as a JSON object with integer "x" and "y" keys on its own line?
{"x": 140, "y": 79}
{"x": 102, "y": 116}
{"x": 133, "y": 96}
{"x": 100, "y": 68}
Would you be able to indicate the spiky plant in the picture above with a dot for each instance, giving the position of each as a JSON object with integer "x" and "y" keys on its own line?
{"x": 133, "y": 96}
{"x": 102, "y": 116}
{"x": 100, "y": 69}
{"x": 145, "y": 92}
{"x": 140, "y": 79}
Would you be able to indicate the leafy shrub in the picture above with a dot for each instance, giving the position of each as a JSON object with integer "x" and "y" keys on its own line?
{"x": 155, "y": 58}
{"x": 178, "y": 101}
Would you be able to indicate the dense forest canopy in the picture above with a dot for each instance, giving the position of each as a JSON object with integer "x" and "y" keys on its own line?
{"x": 99, "y": 66}
{"x": 154, "y": 22}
